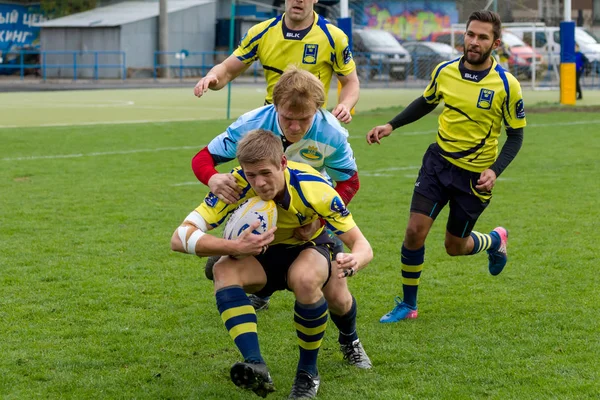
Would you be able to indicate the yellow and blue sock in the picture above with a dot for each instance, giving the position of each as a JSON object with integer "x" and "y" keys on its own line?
{"x": 482, "y": 241}
{"x": 240, "y": 320}
{"x": 346, "y": 324}
{"x": 310, "y": 321}
{"x": 412, "y": 265}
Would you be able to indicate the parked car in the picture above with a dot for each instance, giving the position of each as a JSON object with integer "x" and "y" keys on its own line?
{"x": 378, "y": 52}
{"x": 445, "y": 36}
{"x": 521, "y": 56}
{"x": 547, "y": 42}
{"x": 426, "y": 55}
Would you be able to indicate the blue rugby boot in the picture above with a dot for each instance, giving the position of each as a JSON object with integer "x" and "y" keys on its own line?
{"x": 400, "y": 312}
{"x": 498, "y": 258}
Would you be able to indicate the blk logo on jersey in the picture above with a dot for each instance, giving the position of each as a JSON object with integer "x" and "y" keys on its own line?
{"x": 311, "y": 153}
{"x": 337, "y": 205}
{"x": 311, "y": 52}
{"x": 292, "y": 35}
{"x": 520, "y": 109}
{"x": 211, "y": 200}
{"x": 486, "y": 96}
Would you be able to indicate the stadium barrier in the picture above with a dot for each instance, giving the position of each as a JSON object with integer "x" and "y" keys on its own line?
{"x": 381, "y": 69}
{"x": 81, "y": 63}
{"x": 196, "y": 64}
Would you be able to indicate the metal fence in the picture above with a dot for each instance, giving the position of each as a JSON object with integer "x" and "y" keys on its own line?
{"x": 64, "y": 63}
{"x": 411, "y": 68}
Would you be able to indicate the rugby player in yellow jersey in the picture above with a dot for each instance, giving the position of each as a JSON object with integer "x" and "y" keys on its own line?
{"x": 461, "y": 168}
{"x": 277, "y": 259}
{"x": 300, "y": 37}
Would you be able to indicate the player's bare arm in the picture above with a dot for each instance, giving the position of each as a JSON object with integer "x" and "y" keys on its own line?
{"x": 191, "y": 238}
{"x": 348, "y": 97}
{"x": 220, "y": 75}
{"x": 225, "y": 187}
{"x": 348, "y": 264}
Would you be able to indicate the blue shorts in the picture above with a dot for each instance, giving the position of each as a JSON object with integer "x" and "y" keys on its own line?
{"x": 440, "y": 182}
{"x": 276, "y": 262}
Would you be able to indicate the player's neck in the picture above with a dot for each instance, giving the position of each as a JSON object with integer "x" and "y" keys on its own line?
{"x": 479, "y": 67}
{"x": 299, "y": 25}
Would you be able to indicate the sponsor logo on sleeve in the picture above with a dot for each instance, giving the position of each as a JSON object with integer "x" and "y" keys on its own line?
{"x": 337, "y": 205}
{"x": 520, "y": 109}
{"x": 211, "y": 200}
{"x": 347, "y": 54}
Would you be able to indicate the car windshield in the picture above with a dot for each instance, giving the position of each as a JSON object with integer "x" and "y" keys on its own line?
{"x": 441, "y": 47}
{"x": 377, "y": 38}
{"x": 512, "y": 40}
{"x": 582, "y": 36}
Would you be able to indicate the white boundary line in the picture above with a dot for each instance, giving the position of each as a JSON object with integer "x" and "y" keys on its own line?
{"x": 159, "y": 121}
{"x": 140, "y": 121}
{"x": 380, "y": 172}
{"x": 103, "y": 153}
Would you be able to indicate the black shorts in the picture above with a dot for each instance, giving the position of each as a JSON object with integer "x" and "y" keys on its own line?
{"x": 440, "y": 182}
{"x": 276, "y": 262}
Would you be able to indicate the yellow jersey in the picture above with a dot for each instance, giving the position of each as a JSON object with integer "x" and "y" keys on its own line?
{"x": 321, "y": 49}
{"x": 307, "y": 197}
{"x": 476, "y": 103}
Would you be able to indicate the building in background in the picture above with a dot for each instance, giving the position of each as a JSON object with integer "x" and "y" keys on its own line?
{"x": 130, "y": 27}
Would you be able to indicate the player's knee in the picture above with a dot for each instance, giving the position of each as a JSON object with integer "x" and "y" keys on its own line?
{"x": 305, "y": 284}
{"x": 339, "y": 302}
{"x": 415, "y": 237}
{"x": 225, "y": 273}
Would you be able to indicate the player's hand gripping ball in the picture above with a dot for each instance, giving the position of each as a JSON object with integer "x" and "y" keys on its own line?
{"x": 252, "y": 210}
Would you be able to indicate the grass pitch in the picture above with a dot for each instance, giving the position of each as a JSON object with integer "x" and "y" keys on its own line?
{"x": 94, "y": 304}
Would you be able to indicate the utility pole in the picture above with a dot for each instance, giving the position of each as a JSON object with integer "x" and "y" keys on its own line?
{"x": 163, "y": 37}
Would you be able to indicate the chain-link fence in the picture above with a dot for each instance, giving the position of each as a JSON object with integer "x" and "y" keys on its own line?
{"x": 399, "y": 43}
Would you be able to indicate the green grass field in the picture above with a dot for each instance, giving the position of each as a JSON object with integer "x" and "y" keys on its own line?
{"x": 95, "y": 305}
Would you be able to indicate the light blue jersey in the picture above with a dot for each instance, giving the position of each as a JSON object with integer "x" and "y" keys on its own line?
{"x": 324, "y": 147}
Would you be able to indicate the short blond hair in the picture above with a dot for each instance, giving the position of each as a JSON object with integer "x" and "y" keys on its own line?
{"x": 298, "y": 88}
{"x": 259, "y": 145}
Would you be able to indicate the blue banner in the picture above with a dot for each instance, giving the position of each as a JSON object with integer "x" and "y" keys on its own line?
{"x": 17, "y": 28}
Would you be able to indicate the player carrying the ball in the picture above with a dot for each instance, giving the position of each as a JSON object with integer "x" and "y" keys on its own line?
{"x": 309, "y": 135}
{"x": 277, "y": 259}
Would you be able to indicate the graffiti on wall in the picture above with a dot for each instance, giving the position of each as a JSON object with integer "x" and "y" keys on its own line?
{"x": 17, "y": 25}
{"x": 414, "y": 20}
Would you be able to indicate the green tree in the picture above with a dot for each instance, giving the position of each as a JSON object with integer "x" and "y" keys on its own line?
{"x": 60, "y": 8}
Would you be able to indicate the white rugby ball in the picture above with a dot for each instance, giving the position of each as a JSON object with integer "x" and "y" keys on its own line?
{"x": 251, "y": 210}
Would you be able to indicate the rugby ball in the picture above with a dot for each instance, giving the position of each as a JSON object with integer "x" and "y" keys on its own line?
{"x": 251, "y": 210}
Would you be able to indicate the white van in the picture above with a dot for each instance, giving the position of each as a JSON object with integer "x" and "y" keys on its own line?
{"x": 547, "y": 41}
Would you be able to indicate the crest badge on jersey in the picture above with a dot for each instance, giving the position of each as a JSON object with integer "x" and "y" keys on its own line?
{"x": 337, "y": 205}
{"x": 311, "y": 154}
{"x": 520, "y": 109}
{"x": 486, "y": 96}
{"x": 211, "y": 199}
{"x": 310, "y": 54}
